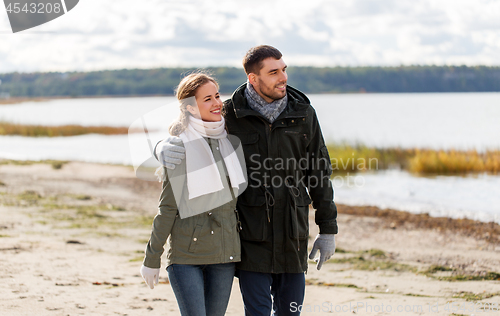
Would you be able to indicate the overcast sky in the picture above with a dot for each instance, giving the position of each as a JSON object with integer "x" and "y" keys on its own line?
{"x": 113, "y": 34}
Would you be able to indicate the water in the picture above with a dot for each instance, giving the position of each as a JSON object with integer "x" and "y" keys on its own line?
{"x": 432, "y": 120}
{"x": 447, "y": 120}
{"x": 455, "y": 120}
{"x": 87, "y": 112}
{"x": 474, "y": 196}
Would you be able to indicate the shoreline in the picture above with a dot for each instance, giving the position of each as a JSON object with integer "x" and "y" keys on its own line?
{"x": 17, "y": 100}
{"x": 73, "y": 239}
{"x": 397, "y": 219}
{"x": 393, "y": 217}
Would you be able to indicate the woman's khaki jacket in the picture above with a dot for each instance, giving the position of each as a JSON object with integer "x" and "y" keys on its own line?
{"x": 208, "y": 238}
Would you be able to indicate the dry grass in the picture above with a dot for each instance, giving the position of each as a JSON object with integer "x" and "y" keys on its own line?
{"x": 55, "y": 131}
{"x": 354, "y": 158}
{"x": 17, "y": 100}
{"x": 348, "y": 158}
{"x": 454, "y": 161}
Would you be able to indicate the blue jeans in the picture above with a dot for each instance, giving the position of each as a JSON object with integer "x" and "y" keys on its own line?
{"x": 202, "y": 290}
{"x": 280, "y": 293}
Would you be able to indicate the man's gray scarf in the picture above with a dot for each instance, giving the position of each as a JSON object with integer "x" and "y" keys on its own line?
{"x": 257, "y": 103}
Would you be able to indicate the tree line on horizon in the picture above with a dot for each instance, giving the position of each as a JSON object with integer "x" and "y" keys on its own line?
{"x": 162, "y": 81}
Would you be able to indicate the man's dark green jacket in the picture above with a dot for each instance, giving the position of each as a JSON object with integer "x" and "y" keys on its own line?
{"x": 288, "y": 166}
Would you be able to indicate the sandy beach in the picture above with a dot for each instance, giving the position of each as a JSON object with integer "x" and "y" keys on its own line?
{"x": 72, "y": 238}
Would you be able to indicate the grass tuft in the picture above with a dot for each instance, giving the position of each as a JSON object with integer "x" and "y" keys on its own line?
{"x": 56, "y": 131}
{"x": 349, "y": 158}
{"x": 470, "y": 296}
{"x": 436, "y": 268}
{"x": 454, "y": 162}
{"x": 488, "y": 276}
{"x": 417, "y": 295}
{"x": 83, "y": 197}
{"x": 355, "y": 158}
{"x": 341, "y": 250}
{"x": 56, "y": 164}
{"x": 137, "y": 259}
{"x": 377, "y": 253}
{"x": 457, "y": 277}
{"x": 319, "y": 283}
{"x": 373, "y": 259}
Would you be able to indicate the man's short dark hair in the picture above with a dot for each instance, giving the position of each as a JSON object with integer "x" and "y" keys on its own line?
{"x": 252, "y": 62}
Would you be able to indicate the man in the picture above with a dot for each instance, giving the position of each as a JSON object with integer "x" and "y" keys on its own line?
{"x": 288, "y": 165}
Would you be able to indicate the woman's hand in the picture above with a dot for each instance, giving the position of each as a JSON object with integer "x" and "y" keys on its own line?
{"x": 150, "y": 276}
{"x": 170, "y": 152}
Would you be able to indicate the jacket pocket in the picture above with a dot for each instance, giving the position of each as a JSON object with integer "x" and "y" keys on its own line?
{"x": 293, "y": 144}
{"x": 195, "y": 238}
{"x": 249, "y": 142}
{"x": 202, "y": 242}
{"x": 253, "y": 218}
{"x": 300, "y": 218}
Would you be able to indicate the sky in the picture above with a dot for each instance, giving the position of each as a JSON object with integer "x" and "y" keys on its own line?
{"x": 116, "y": 34}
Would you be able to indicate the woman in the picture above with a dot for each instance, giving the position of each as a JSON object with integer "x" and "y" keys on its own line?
{"x": 198, "y": 206}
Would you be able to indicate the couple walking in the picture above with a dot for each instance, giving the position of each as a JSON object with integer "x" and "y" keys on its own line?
{"x": 261, "y": 234}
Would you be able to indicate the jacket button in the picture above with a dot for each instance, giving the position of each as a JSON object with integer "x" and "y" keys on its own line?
{"x": 212, "y": 232}
{"x": 209, "y": 213}
{"x": 217, "y": 148}
{"x": 231, "y": 258}
{"x": 195, "y": 239}
{"x": 293, "y": 121}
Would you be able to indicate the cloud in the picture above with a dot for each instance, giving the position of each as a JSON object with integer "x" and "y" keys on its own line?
{"x": 159, "y": 33}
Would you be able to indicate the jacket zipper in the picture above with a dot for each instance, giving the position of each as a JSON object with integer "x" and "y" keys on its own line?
{"x": 268, "y": 134}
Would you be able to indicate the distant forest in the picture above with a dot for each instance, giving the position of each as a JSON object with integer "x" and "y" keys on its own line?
{"x": 162, "y": 81}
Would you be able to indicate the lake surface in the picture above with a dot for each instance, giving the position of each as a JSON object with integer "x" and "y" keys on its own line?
{"x": 474, "y": 196}
{"x": 433, "y": 120}
{"x": 451, "y": 120}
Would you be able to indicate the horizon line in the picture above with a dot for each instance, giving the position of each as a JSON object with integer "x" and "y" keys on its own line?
{"x": 241, "y": 67}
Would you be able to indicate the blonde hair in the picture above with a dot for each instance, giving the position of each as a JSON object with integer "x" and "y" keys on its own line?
{"x": 185, "y": 90}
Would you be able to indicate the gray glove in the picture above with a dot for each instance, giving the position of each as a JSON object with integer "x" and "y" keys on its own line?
{"x": 325, "y": 243}
{"x": 170, "y": 152}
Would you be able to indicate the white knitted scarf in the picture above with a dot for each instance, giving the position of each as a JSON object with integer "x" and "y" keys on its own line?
{"x": 202, "y": 172}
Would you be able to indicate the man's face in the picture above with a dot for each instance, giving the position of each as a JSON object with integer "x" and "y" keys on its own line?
{"x": 270, "y": 83}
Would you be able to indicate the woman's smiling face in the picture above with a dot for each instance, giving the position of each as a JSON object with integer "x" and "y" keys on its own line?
{"x": 209, "y": 103}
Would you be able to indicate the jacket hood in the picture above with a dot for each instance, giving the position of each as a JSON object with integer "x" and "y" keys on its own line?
{"x": 298, "y": 95}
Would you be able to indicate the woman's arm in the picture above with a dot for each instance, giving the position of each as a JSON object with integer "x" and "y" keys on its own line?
{"x": 162, "y": 226}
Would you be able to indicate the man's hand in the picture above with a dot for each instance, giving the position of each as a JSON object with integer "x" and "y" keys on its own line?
{"x": 170, "y": 152}
{"x": 150, "y": 275}
{"x": 325, "y": 243}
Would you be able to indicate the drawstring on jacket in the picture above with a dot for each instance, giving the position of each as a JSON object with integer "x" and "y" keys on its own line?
{"x": 269, "y": 202}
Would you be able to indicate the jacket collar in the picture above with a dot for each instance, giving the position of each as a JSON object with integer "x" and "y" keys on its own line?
{"x": 297, "y": 105}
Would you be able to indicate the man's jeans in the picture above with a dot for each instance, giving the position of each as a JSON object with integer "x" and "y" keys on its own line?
{"x": 263, "y": 293}
{"x": 202, "y": 289}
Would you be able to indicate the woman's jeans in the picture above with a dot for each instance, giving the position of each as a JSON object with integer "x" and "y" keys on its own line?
{"x": 202, "y": 290}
